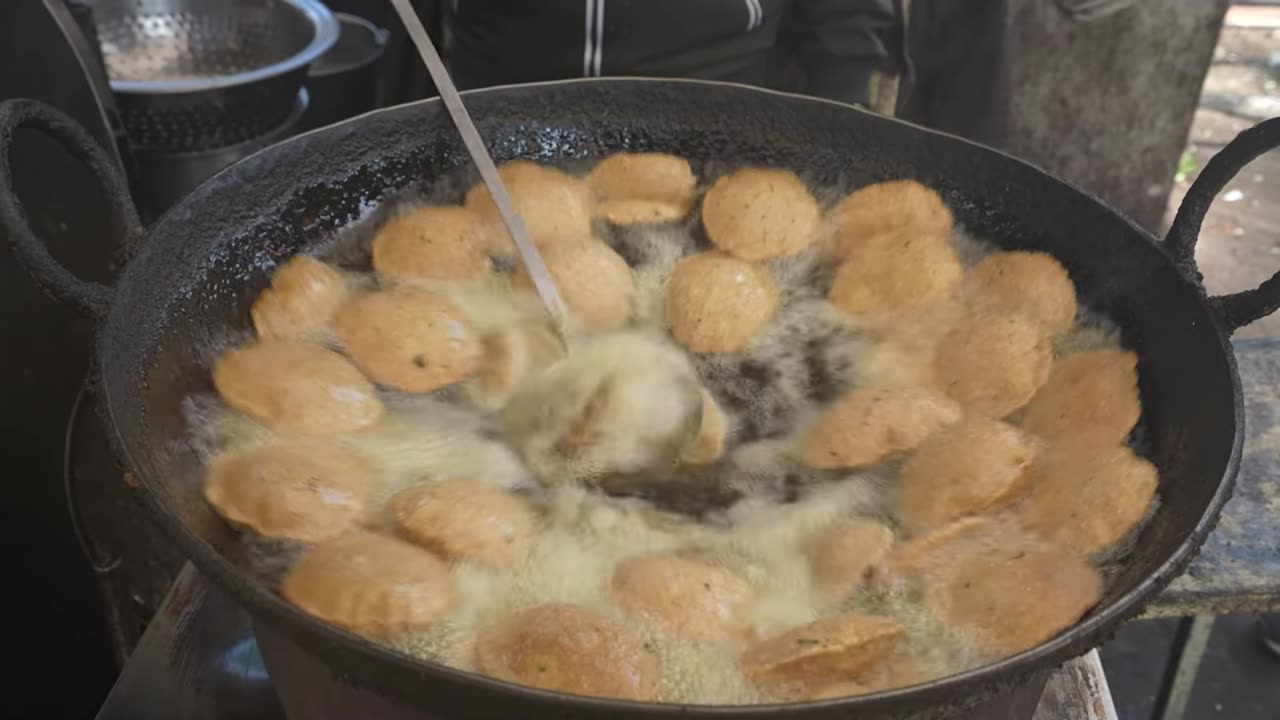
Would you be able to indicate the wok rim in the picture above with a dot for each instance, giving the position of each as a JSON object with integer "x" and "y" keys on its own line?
{"x": 263, "y": 604}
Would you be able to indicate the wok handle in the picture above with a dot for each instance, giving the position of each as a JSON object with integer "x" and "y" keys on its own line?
{"x": 1237, "y": 309}
{"x": 91, "y": 297}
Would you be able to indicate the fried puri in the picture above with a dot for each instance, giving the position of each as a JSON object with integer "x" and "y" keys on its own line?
{"x": 465, "y": 520}
{"x": 371, "y": 583}
{"x": 1033, "y": 283}
{"x": 708, "y": 444}
{"x": 306, "y": 492}
{"x": 552, "y": 204}
{"x": 571, "y": 649}
{"x": 842, "y": 554}
{"x": 717, "y": 303}
{"x": 901, "y": 668}
{"x": 620, "y": 404}
{"x": 829, "y": 650}
{"x": 593, "y": 280}
{"x": 512, "y": 354}
{"x": 435, "y": 243}
{"x": 912, "y": 276}
{"x": 1013, "y": 597}
{"x": 905, "y": 347}
{"x": 758, "y": 214}
{"x": 690, "y": 597}
{"x": 1087, "y": 499}
{"x": 974, "y": 466}
{"x": 993, "y": 364}
{"x": 886, "y": 216}
{"x": 303, "y": 296}
{"x": 869, "y": 424}
{"x": 408, "y": 338}
{"x": 634, "y": 212}
{"x": 296, "y": 386}
{"x": 921, "y": 551}
{"x": 657, "y": 177}
{"x": 1090, "y": 398}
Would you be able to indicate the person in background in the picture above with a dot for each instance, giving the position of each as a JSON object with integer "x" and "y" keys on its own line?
{"x": 826, "y": 48}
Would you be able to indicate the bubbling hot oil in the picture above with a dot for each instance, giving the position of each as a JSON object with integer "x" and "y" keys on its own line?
{"x": 808, "y": 356}
{"x": 586, "y": 536}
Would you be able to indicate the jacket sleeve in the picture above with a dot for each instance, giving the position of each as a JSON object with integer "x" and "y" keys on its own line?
{"x": 840, "y": 43}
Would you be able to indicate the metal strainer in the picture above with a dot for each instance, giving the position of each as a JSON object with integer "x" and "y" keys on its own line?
{"x": 199, "y": 74}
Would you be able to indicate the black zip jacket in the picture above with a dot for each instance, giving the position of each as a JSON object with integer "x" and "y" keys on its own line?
{"x": 834, "y": 44}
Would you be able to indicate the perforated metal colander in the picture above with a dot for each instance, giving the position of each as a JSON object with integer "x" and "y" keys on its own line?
{"x": 200, "y": 74}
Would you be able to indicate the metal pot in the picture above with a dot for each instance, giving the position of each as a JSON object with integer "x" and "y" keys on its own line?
{"x": 193, "y": 75}
{"x": 344, "y": 82}
{"x": 193, "y": 279}
{"x": 163, "y": 178}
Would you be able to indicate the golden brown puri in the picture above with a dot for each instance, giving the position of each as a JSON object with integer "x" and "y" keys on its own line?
{"x": 868, "y": 424}
{"x": 1090, "y": 398}
{"x": 834, "y": 691}
{"x": 905, "y": 346}
{"x": 1013, "y": 597}
{"x": 571, "y": 649}
{"x": 923, "y": 550}
{"x": 884, "y": 216}
{"x": 372, "y": 584}
{"x": 552, "y": 204}
{"x": 513, "y": 353}
{"x": 634, "y": 212}
{"x": 593, "y": 280}
{"x": 717, "y": 303}
{"x": 758, "y": 214}
{"x": 993, "y": 364}
{"x": 713, "y": 431}
{"x": 657, "y": 177}
{"x": 974, "y": 466}
{"x": 913, "y": 275}
{"x": 435, "y": 243}
{"x": 296, "y": 386}
{"x": 902, "y": 667}
{"x": 408, "y": 338}
{"x": 1088, "y": 498}
{"x": 829, "y": 650}
{"x": 465, "y": 520}
{"x": 304, "y": 491}
{"x": 690, "y": 597}
{"x": 843, "y": 554}
{"x": 303, "y": 296}
{"x": 1033, "y": 283}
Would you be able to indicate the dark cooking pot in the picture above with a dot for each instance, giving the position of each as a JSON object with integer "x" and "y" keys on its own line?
{"x": 191, "y": 283}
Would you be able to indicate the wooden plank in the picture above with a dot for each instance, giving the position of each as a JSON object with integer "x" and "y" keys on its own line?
{"x": 1077, "y": 691}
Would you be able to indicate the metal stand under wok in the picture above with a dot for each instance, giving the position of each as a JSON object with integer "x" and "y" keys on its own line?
{"x": 200, "y": 660}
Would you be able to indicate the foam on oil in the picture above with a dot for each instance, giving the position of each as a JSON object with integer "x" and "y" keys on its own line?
{"x": 807, "y": 357}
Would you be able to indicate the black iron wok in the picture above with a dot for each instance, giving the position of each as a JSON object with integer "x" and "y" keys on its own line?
{"x": 190, "y": 284}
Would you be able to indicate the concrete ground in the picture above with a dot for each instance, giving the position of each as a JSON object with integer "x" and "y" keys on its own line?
{"x": 1239, "y": 247}
{"x": 1238, "y": 678}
